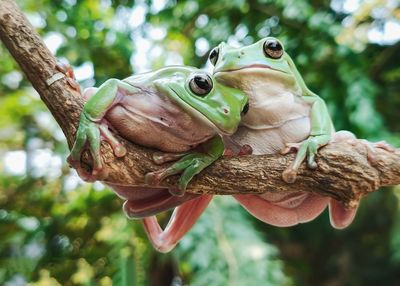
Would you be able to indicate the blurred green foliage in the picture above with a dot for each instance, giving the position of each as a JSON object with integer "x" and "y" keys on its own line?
{"x": 56, "y": 230}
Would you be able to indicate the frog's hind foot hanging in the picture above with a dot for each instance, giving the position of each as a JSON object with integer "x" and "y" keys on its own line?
{"x": 182, "y": 219}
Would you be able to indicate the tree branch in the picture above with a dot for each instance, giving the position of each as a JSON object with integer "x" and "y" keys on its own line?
{"x": 344, "y": 172}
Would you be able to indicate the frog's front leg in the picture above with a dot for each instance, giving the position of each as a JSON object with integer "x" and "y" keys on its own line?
{"x": 93, "y": 128}
{"x": 320, "y": 135}
{"x": 189, "y": 165}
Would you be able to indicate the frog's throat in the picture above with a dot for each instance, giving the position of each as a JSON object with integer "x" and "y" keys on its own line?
{"x": 198, "y": 114}
{"x": 253, "y": 66}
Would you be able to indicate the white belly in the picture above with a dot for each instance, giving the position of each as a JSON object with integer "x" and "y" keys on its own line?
{"x": 271, "y": 140}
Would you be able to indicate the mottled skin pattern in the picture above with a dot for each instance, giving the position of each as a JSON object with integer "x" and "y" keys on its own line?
{"x": 284, "y": 115}
{"x": 181, "y": 112}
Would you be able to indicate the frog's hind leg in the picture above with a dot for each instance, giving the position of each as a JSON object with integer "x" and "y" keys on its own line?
{"x": 286, "y": 211}
{"x": 340, "y": 216}
{"x": 161, "y": 157}
{"x": 371, "y": 147}
{"x": 181, "y": 221}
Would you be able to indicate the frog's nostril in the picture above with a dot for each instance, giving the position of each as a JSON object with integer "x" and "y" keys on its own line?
{"x": 245, "y": 109}
{"x": 226, "y": 111}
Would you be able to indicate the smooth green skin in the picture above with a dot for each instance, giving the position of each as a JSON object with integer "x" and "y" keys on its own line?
{"x": 322, "y": 128}
{"x": 172, "y": 82}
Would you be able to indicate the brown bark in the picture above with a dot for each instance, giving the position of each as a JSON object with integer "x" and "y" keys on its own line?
{"x": 344, "y": 172}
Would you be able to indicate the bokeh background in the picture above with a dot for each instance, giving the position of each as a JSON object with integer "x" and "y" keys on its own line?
{"x": 57, "y": 230}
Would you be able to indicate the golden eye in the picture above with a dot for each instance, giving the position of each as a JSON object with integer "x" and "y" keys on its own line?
{"x": 273, "y": 49}
{"x": 201, "y": 84}
{"x": 214, "y": 56}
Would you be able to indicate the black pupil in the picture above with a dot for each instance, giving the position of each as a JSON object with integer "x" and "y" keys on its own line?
{"x": 245, "y": 108}
{"x": 274, "y": 46}
{"x": 202, "y": 82}
{"x": 213, "y": 55}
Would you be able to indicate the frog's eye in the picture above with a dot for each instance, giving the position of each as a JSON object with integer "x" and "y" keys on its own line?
{"x": 201, "y": 84}
{"x": 245, "y": 109}
{"x": 214, "y": 56}
{"x": 273, "y": 49}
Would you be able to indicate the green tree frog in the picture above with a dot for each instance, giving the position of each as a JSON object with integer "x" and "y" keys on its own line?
{"x": 284, "y": 115}
{"x": 181, "y": 111}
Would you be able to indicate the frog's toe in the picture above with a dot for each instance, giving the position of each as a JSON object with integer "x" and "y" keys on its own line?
{"x": 88, "y": 176}
{"x": 84, "y": 174}
{"x": 290, "y": 147}
{"x": 312, "y": 153}
{"x": 176, "y": 191}
{"x": 372, "y": 149}
{"x": 289, "y": 175}
{"x": 385, "y": 146}
{"x": 311, "y": 162}
{"x": 229, "y": 152}
{"x": 120, "y": 151}
{"x": 152, "y": 178}
{"x": 73, "y": 162}
{"x": 245, "y": 150}
{"x": 99, "y": 173}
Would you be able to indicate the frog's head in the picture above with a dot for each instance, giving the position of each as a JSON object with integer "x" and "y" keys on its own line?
{"x": 200, "y": 95}
{"x": 249, "y": 66}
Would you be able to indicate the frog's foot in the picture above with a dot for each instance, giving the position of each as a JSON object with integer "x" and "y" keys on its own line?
{"x": 290, "y": 173}
{"x": 305, "y": 150}
{"x": 290, "y": 148}
{"x": 370, "y": 146}
{"x": 341, "y": 216}
{"x": 372, "y": 149}
{"x": 69, "y": 73}
{"x": 285, "y": 209}
{"x": 88, "y": 133}
{"x": 182, "y": 219}
{"x": 160, "y": 158}
{"x": 244, "y": 150}
{"x": 84, "y": 173}
{"x": 190, "y": 165}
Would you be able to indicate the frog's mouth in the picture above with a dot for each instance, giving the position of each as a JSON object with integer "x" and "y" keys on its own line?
{"x": 198, "y": 114}
{"x": 253, "y": 66}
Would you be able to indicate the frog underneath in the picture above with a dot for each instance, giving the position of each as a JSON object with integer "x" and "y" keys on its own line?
{"x": 284, "y": 115}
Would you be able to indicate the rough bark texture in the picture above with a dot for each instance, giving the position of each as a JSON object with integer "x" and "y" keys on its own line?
{"x": 344, "y": 172}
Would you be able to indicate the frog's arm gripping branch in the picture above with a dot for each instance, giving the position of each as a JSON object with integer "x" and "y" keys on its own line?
{"x": 343, "y": 167}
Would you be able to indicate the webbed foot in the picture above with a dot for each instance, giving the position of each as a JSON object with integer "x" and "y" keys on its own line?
{"x": 92, "y": 133}
{"x": 306, "y": 150}
{"x": 372, "y": 153}
{"x": 189, "y": 166}
{"x": 370, "y": 146}
{"x": 244, "y": 150}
